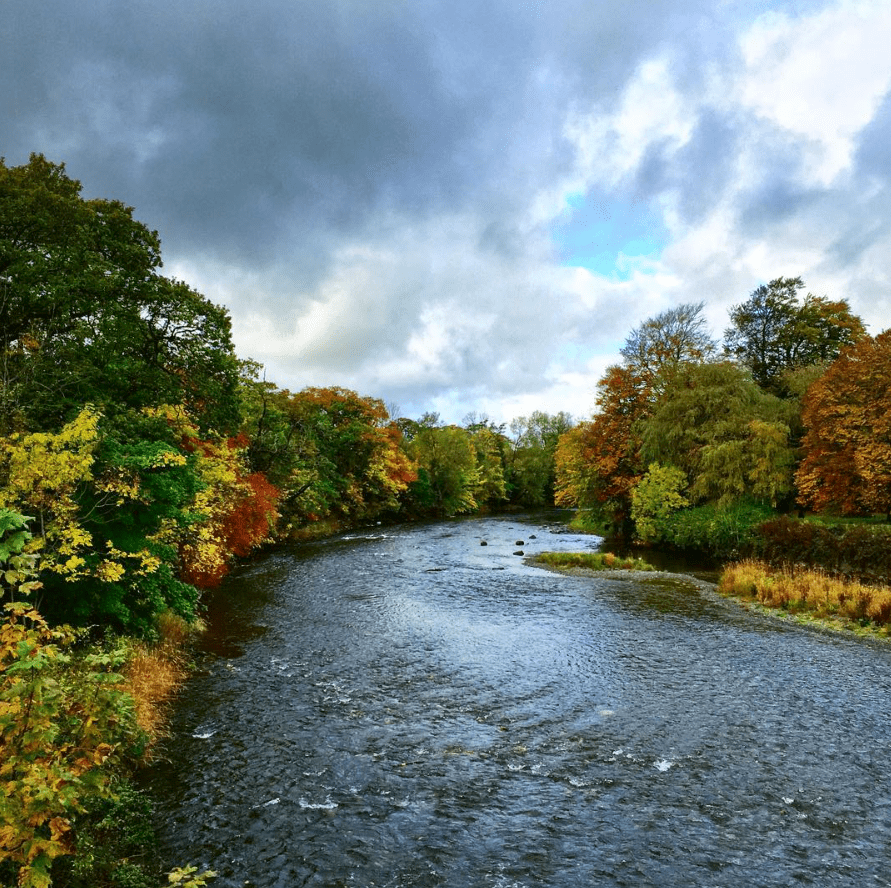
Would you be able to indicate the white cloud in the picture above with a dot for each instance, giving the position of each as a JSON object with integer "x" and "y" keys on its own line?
{"x": 819, "y": 77}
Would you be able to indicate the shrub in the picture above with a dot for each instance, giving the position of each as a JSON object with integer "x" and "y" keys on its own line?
{"x": 724, "y": 532}
{"x": 853, "y": 550}
{"x": 63, "y": 722}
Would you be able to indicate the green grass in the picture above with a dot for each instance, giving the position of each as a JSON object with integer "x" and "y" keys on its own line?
{"x": 593, "y": 561}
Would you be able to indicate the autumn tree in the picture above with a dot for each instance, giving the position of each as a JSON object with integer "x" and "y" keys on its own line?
{"x": 598, "y": 462}
{"x": 86, "y": 316}
{"x": 331, "y": 452}
{"x": 774, "y": 333}
{"x": 847, "y": 446}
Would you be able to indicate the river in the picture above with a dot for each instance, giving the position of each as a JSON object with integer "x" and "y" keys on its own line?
{"x": 408, "y": 707}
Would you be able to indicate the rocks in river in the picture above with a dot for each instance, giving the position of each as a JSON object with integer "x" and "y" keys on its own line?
{"x": 519, "y": 543}
{"x": 532, "y": 536}
{"x": 483, "y": 543}
{"x": 519, "y": 552}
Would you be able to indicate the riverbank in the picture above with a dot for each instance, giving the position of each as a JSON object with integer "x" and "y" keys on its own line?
{"x": 756, "y": 597}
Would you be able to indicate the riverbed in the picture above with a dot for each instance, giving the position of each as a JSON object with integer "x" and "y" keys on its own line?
{"x": 409, "y": 707}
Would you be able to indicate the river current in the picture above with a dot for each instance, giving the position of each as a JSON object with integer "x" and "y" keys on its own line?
{"x": 407, "y": 707}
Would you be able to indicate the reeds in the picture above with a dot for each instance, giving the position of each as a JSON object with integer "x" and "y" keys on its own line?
{"x": 810, "y": 591}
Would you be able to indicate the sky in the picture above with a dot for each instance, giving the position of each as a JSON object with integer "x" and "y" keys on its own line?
{"x": 455, "y": 205}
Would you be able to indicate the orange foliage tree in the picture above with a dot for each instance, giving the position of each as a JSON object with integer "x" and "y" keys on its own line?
{"x": 847, "y": 445}
{"x": 598, "y": 462}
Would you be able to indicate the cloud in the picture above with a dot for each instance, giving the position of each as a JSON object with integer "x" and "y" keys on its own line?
{"x": 468, "y": 206}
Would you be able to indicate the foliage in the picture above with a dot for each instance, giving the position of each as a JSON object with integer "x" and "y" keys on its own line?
{"x": 772, "y": 333}
{"x": 598, "y": 462}
{"x": 656, "y": 496}
{"x": 115, "y": 842}
{"x": 662, "y": 344}
{"x": 857, "y": 550}
{"x": 331, "y": 452}
{"x": 62, "y": 722}
{"x": 447, "y": 457}
{"x": 811, "y": 591}
{"x": 86, "y": 317}
{"x": 592, "y": 561}
{"x": 491, "y": 485}
{"x": 847, "y": 445}
{"x": 721, "y": 531}
{"x": 728, "y": 437}
{"x": 189, "y": 877}
{"x": 530, "y": 466}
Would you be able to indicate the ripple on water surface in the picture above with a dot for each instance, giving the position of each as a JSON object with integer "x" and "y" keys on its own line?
{"x": 417, "y": 709}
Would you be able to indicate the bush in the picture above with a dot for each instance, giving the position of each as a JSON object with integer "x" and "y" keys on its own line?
{"x": 724, "y": 532}
{"x": 853, "y": 550}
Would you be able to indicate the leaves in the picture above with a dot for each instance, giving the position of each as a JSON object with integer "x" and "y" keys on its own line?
{"x": 772, "y": 334}
{"x": 847, "y": 445}
{"x": 59, "y": 727}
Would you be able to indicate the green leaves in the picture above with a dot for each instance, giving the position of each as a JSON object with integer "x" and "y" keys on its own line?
{"x": 86, "y": 317}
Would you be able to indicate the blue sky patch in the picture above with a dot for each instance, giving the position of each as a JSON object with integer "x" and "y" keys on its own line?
{"x": 592, "y": 232}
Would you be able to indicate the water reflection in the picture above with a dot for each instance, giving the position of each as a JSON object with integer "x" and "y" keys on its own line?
{"x": 408, "y": 707}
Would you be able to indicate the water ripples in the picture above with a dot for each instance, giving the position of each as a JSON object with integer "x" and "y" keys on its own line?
{"x": 409, "y": 708}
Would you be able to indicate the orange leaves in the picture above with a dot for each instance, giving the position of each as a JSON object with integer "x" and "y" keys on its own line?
{"x": 237, "y": 513}
{"x": 847, "y": 414}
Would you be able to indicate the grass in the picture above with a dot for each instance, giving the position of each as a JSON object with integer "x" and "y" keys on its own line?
{"x": 592, "y": 561}
{"x": 154, "y": 673}
{"x": 810, "y": 593}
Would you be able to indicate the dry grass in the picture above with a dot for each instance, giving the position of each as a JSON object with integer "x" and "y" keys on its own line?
{"x": 154, "y": 673}
{"x": 813, "y": 592}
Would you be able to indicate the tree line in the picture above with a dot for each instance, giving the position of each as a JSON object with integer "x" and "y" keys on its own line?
{"x": 139, "y": 454}
{"x": 146, "y": 455}
{"x": 792, "y": 412}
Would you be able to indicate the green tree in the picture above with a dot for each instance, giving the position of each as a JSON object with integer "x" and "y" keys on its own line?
{"x": 772, "y": 333}
{"x": 655, "y": 498}
{"x": 86, "y": 317}
{"x": 729, "y": 437}
{"x": 661, "y": 344}
{"x": 531, "y": 461}
{"x": 448, "y": 473}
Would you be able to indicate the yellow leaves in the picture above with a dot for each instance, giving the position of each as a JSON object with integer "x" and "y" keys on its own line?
{"x": 43, "y": 466}
{"x": 110, "y": 571}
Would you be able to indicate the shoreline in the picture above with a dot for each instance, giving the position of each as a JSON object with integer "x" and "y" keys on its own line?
{"x": 837, "y": 627}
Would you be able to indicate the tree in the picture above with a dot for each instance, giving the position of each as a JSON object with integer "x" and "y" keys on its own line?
{"x": 331, "y": 452}
{"x": 663, "y": 343}
{"x": 86, "y": 317}
{"x": 773, "y": 334}
{"x": 847, "y": 446}
{"x": 531, "y": 469}
{"x": 728, "y": 437}
{"x": 598, "y": 462}
{"x": 655, "y": 497}
{"x": 449, "y": 477}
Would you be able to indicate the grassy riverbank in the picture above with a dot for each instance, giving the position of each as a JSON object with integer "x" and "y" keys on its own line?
{"x": 811, "y": 595}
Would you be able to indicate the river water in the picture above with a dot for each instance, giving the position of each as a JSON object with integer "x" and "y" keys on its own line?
{"x": 407, "y": 707}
